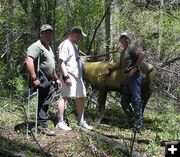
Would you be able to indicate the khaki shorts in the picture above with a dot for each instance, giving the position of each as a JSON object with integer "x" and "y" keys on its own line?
{"x": 76, "y": 90}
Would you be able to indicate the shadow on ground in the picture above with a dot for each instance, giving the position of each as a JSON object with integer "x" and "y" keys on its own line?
{"x": 9, "y": 148}
{"x": 116, "y": 117}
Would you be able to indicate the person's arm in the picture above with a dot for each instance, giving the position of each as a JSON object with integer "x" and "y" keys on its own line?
{"x": 63, "y": 56}
{"x": 57, "y": 81}
{"x": 54, "y": 75}
{"x": 66, "y": 77}
{"x": 138, "y": 62}
{"x": 30, "y": 66}
{"x": 140, "y": 58}
{"x": 112, "y": 68}
{"x": 63, "y": 67}
{"x": 115, "y": 67}
{"x": 31, "y": 69}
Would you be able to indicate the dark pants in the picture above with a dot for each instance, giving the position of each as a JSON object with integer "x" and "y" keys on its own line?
{"x": 44, "y": 99}
{"x": 132, "y": 94}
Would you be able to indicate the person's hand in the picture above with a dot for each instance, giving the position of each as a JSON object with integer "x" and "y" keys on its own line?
{"x": 132, "y": 71}
{"x": 68, "y": 82}
{"x": 36, "y": 83}
{"x": 58, "y": 84}
{"x": 108, "y": 71}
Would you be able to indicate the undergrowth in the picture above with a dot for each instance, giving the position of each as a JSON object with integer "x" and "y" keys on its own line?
{"x": 161, "y": 123}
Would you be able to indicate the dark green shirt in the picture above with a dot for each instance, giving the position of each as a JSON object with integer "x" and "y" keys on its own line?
{"x": 129, "y": 57}
{"x": 47, "y": 60}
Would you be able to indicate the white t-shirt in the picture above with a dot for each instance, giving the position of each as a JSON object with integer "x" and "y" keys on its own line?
{"x": 68, "y": 52}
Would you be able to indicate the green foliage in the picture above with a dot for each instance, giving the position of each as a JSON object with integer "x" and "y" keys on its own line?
{"x": 84, "y": 13}
{"x": 20, "y": 85}
{"x": 156, "y": 31}
{"x": 3, "y": 69}
{"x": 161, "y": 120}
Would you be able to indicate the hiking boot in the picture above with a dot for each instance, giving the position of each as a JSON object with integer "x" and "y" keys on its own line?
{"x": 63, "y": 126}
{"x": 45, "y": 131}
{"x": 137, "y": 127}
{"x": 85, "y": 125}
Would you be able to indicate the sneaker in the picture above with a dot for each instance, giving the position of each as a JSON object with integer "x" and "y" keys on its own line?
{"x": 85, "y": 125}
{"x": 63, "y": 126}
{"x": 45, "y": 131}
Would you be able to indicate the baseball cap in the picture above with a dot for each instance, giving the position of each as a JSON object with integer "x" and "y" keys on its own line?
{"x": 78, "y": 29}
{"x": 46, "y": 27}
{"x": 124, "y": 34}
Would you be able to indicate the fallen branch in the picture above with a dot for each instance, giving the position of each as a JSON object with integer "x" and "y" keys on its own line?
{"x": 169, "y": 71}
{"x": 166, "y": 93}
{"x": 170, "y": 61}
{"x": 171, "y": 95}
{"x": 95, "y": 151}
{"x": 110, "y": 141}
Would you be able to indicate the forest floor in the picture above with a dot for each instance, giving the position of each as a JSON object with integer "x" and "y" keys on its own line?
{"x": 161, "y": 123}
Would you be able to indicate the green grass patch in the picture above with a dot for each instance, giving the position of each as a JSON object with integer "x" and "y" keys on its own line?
{"x": 161, "y": 123}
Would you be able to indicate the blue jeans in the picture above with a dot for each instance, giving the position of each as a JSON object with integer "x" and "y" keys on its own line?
{"x": 132, "y": 94}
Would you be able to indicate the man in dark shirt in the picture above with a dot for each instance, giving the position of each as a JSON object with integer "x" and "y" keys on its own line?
{"x": 130, "y": 59}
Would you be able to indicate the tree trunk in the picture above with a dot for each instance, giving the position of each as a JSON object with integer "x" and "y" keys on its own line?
{"x": 53, "y": 25}
{"x": 124, "y": 149}
{"x": 160, "y": 42}
{"x": 108, "y": 26}
{"x": 160, "y": 38}
{"x": 50, "y": 10}
{"x": 9, "y": 47}
{"x": 36, "y": 15}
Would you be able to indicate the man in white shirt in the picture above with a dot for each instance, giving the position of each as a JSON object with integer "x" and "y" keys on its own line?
{"x": 73, "y": 85}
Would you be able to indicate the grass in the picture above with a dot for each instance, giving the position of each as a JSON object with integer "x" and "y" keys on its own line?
{"x": 161, "y": 123}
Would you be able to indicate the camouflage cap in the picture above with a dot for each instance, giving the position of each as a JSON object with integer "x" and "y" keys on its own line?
{"x": 46, "y": 27}
{"x": 78, "y": 29}
{"x": 124, "y": 34}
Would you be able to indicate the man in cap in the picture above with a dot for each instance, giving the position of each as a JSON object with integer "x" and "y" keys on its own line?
{"x": 130, "y": 59}
{"x": 43, "y": 80}
{"x": 73, "y": 86}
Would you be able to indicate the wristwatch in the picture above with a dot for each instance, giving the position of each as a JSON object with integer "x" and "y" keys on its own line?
{"x": 34, "y": 78}
{"x": 65, "y": 77}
